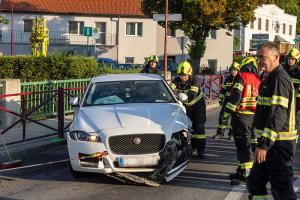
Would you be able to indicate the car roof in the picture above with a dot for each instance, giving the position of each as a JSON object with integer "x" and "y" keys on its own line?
{"x": 126, "y": 77}
{"x": 105, "y": 59}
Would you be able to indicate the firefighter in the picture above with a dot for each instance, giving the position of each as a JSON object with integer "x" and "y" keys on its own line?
{"x": 195, "y": 105}
{"x": 223, "y": 99}
{"x": 293, "y": 69}
{"x": 241, "y": 106}
{"x": 151, "y": 65}
{"x": 275, "y": 129}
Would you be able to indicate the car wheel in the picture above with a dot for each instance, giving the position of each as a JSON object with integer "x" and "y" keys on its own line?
{"x": 76, "y": 174}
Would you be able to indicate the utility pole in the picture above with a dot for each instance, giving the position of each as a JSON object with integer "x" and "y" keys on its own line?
{"x": 12, "y": 29}
{"x": 165, "y": 45}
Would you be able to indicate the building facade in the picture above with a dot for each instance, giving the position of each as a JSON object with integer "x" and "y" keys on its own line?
{"x": 271, "y": 24}
{"x": 121, "y": 32}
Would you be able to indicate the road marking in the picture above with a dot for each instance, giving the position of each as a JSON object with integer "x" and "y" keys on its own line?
{"x": 35, "y": 165}
{"x": 237, "y": 192}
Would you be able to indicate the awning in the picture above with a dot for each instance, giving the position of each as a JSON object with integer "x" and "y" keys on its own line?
{"x": 279, "y": 39}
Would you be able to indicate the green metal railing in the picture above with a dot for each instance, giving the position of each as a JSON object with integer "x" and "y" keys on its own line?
{"x": 48, "y": 88}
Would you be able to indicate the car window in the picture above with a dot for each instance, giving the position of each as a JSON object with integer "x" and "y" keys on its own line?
{"x": 107, "y": 93}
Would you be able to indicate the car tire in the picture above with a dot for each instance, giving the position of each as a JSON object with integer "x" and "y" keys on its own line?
{"x": 75, "y": 174}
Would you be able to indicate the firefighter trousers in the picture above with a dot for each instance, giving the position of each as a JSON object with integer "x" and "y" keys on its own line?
{"x": 298, "y": 121}
{"x": 278, "y": 170}
{"x": 197, "y": 114}
{"x": 241, "y": 127}
{"x": 221, "y": 115}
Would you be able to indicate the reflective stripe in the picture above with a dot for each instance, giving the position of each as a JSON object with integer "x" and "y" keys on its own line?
{"x": 297, "y": 95}
{"x": 239, "y": 86}
{"x": 295, "y": 81}
{"x": 249, "y": 91}
{"x": 194, "y": 89}
{"x": 221, "y": 126}
{"x": 253, "y": 141}
{"x": 199, "y": 136}
{"x": 292, "y": 119}
{"x": 228, "y": 84}
{"x": 223, "y": 86}
{"x": 261, "y": 197}
{"x": 274, "y": 100}
{"x": 227, "y": 94}
{"x": 173, "y": 86}
{"x": 246, "y": 165}
{"x": 221, "y": 96}
{"x": 272, "y": 135}
{"x": 226, "y": 115}
{"x": 231, "y": 106}
{"x": 194, "y": 100}
{"x": 246, "y": 112}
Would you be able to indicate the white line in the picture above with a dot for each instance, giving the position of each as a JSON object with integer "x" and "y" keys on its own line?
{"x": 236, "y": 193}
{"x": 297, "y": 184}
{"x": 36, "y": 165}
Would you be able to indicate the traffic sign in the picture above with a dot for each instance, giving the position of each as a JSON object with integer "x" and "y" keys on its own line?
{"x": 260, "y": 36}
{"x": 171, "y": 17}
{"x": 88, "y": 31}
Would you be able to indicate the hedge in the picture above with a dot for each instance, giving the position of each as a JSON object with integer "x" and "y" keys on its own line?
{"x": 54, "y": 67}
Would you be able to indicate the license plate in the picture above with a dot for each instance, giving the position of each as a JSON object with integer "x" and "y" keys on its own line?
{"x": 140, "y": 161}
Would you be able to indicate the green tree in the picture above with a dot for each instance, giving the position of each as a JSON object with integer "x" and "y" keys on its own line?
{"x": 3, "y": 20}
{"x": 199, "y": 17}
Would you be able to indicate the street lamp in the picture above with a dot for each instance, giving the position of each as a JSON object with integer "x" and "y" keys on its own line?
{"x": 12, "y": 29}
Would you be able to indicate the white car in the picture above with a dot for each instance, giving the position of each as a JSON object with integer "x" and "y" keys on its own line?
{"x": 129, "y": 123}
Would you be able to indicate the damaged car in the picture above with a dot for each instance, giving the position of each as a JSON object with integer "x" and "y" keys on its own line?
{"x": 130, "y": 124}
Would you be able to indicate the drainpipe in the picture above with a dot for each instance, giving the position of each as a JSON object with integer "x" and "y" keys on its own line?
{"x": 117, "y": 38}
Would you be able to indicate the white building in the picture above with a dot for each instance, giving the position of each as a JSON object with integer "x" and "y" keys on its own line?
{"x": 125, "y": 34}
{"x": 271, "y": 24}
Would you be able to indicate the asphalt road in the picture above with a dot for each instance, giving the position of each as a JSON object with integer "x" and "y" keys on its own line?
{"x": 46, "y": 176}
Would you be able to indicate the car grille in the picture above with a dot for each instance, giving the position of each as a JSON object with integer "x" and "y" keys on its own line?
{"x": 125, "y": 144}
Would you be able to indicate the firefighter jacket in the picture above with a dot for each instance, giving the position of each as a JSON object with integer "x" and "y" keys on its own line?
{"x": 243, "y": 95}
{"x": 275, "y": 112}
{"x": 147, "y": 69}
{"x": 191, "y": 88}
{"x": 294, "y": 73}
{"x": 225, "y": 88}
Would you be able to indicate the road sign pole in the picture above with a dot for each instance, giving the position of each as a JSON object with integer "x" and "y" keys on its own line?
{"x": 165, "y": 45}
{"x": 88, "y": 48}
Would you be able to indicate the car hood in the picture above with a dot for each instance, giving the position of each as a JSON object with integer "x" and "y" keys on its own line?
{"x": 159, "y": 117}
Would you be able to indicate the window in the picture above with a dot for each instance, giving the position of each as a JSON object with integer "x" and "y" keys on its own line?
{"x": 76, "y": 27}
{"x": 134, "y": 29}
{"x": 252, "y": 25}
{"x": 283, "y": 28}
{"x": 267, "y": 25}
{"x": 101, "y": 26}
{"x": 212, "y": 64}
{"x": 213, "y": 34}
{"x": 171, "y": 32}
{"x": 28, "y": 23}
{"x": 129, "y": 60}
{"x": 259, "y": 24}
{"x": 290, "y": 30}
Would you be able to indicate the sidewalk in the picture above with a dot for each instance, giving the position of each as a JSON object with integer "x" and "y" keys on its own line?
{"x": 23, "y": 149}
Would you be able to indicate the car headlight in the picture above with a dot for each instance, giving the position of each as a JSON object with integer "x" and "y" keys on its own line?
{"x": 83, "y": 136}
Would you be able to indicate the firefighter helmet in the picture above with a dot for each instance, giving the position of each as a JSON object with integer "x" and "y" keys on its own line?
{"x": 294, "y": 53}
{"x": 235, "y": 66}
{"x": 153, "y": 58}
{"x": 249, "y": 65}
{"x": 185, "y": 68}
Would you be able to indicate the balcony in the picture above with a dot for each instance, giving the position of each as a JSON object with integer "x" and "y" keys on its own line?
{"x": 60, "y": 38}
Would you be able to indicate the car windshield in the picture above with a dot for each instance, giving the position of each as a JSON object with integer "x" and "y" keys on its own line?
{"x": 122, "y": 92}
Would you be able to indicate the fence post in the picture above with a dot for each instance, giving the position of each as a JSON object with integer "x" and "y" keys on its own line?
{"x": 210, "y": 88}
{"x": 60, "y": 112}
{"x": 23, "y": 97}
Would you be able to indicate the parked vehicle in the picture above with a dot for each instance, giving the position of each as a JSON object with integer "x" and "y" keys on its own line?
{"x": 172, "y": 66}
{"x": 129, "y": 123}
{"x": 108, "y": 62}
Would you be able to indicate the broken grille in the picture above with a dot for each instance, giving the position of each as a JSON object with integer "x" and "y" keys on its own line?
{"x": 127, "y": 144}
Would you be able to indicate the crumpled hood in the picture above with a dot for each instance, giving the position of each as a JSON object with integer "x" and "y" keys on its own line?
{"x": 159, "y": 116}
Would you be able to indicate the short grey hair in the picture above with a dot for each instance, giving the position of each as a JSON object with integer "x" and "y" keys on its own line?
{"x": 270, "y": 45}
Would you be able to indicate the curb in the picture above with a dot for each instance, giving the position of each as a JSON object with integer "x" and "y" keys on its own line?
{"x": 29, "y": 148}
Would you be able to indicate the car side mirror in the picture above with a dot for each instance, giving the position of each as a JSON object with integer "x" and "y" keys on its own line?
{"x": 182, "y": 97}
{"x": 74, "y": 102}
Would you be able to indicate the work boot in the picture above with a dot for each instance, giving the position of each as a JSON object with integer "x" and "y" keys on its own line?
{"x": 219, "y": 134}
{"x": 238, "y": 178}
{"x": 230, "y": 134}
{"x": 200, "y": 153}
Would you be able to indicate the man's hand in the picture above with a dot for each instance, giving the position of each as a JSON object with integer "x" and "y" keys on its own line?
{"x": 260, "y": 155}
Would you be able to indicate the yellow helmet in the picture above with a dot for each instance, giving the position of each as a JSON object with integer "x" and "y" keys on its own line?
{"x": 294, "y": 53}
{"x": 235, "y": 66}
{"x": 249, "y": 65}
{"x": 153, "y": 58}
{"x": 185, "y": 68}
